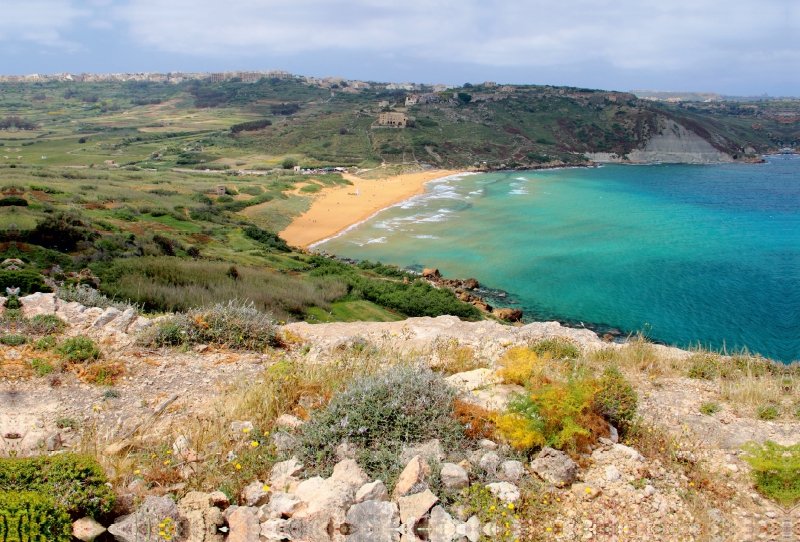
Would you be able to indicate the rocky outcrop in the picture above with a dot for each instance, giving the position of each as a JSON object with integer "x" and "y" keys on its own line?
{"x": 674, "y": 145}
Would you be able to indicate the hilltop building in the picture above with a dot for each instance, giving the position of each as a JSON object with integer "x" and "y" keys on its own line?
{"x": 392, "y": 118}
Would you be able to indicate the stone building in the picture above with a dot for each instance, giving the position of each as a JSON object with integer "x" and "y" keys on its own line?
{"x": 392, "y": 118}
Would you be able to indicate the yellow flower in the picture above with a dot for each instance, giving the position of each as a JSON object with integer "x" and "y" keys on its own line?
{"x": 245, "y": 430}
{"x": 152, "y": 456}
{"x": 166, "y": 462}
{"x": 238, "y": 466}
{"x": 254, "y": 444}
{"x": 491, "y": 508}
{"x": 549, "y": 529}
{"x": 96, "y": 407}
{"x": 137, "y": 471}
{"x": 265, "y": 488}
{"x": 169, "y": 452}
{"x": 588, "y": 490}
{"x": 503, "y": 514}
{"x": 510, "y": 506}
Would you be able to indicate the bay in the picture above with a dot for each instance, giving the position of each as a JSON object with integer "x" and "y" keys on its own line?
{"x": 688, "y": 254}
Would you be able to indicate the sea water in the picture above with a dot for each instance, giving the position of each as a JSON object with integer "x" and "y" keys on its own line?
{"x": 689, "y": 254}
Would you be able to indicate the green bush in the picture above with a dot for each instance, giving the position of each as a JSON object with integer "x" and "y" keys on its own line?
{"x": 616, "y": 400}
{"x": 80, "y": 348}
{"x": 703, "y": 366}
{"x": 13, "y": 303}
{"x": 775, "y": 470}
{"x": 709, "y": 408}
{"x": 28, "y": 282}
{"x": 556, "y": 348}
{"x": 76, "y": 483}
{"x": 89, "y": 297}
{"x": 13, "y": 339}
{"x": 41, "y": 367}
{"x": 267, "y": 238}
{"x": 46, "y": 324}
{"x": 767, "y": 412}
{"x": 234, "y": 325}
{"x": 13, "y": 201}
{"x": 27, "y": 516}
{"x": 378, "y": 415}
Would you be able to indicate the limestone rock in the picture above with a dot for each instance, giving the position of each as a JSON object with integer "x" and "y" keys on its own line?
{"x": 143, "y": 524}
{"x": 108, "y": 315}
{"x": 470, "y": 284}
{"x": 555, "y": 467}
{"x": 612, "y": 473}
{"x": 287, "y": 421}
{"x": 87, "y": 529}
{"x": 489, "y": 462}
{"x": 284, "y": 473}
{"x": 430, "y": 273}
{"x": 202, "y": 518}
{"x": 472, "y": 380}
{"x": 511, "y": 471}
{"x": 413, "y": 507}
{"x": 585, "y": 491}
{"x": 53, "y": 442}
{"x": 241, "y": 427}
{"x": 349, "y": 473}
{"x": 430, "y": 451}
{"x": 283, "y": 505}
{"x": 487, "y": 444}
{"x": 255, "y": 494}
{"x": 454, "y": 476}
{"x": 38, "y": 303}
{"x": 373, "y": 521}
{"x": 442, "y": 526}
{"x": 242, "y": 524}
{"x": 471, "y": 529}
{"x": 510, "y": 315}
{"x": 219, "y": 499}
{"x": 375, "y": 491}
{"x": 413, "y": 475}
{"x": 504, "y": 491}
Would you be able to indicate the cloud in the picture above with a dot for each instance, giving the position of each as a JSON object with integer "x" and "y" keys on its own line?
{"x": 625, "y": 34}
{"x": 43, "y": 22}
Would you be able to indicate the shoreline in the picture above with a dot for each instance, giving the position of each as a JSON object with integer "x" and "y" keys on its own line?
{"x": 338, "y": 209}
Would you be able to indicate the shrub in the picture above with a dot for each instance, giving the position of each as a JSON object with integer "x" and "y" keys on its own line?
{"x": 267, "y": 238}
{"x": 775, "y": 470}
{"x": 519, "y": 365}
{"x": 13, "y": 201}
{"x": 28, "y": 282}
{"x": 33, "y": 517}
{"x": 288, "y": 163}
{"x": 767, "y": 412}
{"x": 377, "y": 415}
{"x": 46, "y": 324}
{"x": 13, "y": 339}
{"x": 13, "y": 303}
{"x": 76, "y": 483}
{"x": 616, "y": 400}
{"x": 708, "y": 408}
{"x": 80, "y": 348}
{"x": 234, "y": 325}
{"x": 560, "y": 415}
{"x": 89, "y": 297}
{"x": 556, "y": 348}
{"x": 41, "y": 367}
{"x": 703, "y": 366}
{"x": 251, "y": 126}
{"x": 61, "y": 232}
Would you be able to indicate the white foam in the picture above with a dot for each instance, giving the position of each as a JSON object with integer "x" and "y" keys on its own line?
{"x": 376, "y": 240}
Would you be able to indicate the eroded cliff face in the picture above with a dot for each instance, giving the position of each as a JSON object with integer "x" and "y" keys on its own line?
{"x": 674, "y": 145}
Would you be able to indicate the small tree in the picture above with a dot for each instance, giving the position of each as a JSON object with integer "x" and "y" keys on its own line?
{"x": 464, "y": 98}
{"x": 288, "y": 163}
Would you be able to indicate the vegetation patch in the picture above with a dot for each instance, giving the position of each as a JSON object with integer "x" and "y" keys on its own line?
{"x": 775, "y": 470}
{"x": 31, "y": 516}
{"x": 79, "y": 349}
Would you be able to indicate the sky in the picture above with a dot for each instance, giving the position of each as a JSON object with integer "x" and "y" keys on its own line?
{"x": 727, "y": 46}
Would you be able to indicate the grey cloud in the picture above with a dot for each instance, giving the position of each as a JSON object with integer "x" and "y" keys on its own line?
{"x": 39, "y": 21}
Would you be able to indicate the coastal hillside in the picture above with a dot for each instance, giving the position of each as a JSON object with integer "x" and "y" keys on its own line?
{"x": 222, "y": 425}
{"x": 232, "y": 125}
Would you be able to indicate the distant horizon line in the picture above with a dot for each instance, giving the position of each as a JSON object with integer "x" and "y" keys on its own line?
{"x": 281, "y": 74}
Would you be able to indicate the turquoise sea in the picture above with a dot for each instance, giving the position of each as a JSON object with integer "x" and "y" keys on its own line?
{"x": 690, "y": 254}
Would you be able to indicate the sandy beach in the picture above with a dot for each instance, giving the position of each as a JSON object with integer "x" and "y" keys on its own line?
{"x": 336, "y": 209}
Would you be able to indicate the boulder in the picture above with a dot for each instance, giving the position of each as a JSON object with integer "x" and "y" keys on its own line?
{"x": 255, "y": 494}
{"x": 510, "y": 315}
{"x": 430, "y": 273}
{"x": 485, "y": 443}
{"x": 413, "y": 475}
{"x": 470, "y": 284}
{"x": 108, "y": 316}
{"x": 38, "y": 303}
{"x": 145, "y": 523}
{"x": 348, "y": 472}
{"x": 283, "y": 473}
{"x": 243, "y": 525}
{"x": 555, "y": 467}
{"x": 504, "y": 491}
{"x": 201, "y": 517}
{"x": 586, "y": 492}
{"x": 241, "y": 427}
{"x": 53, "y": 442}
{"x": 454, "y": 476}
{"x": 471, "y": 529}
{"x": 489, "y": 462}
{"x": 441, "y": 526}
{"x": 373, "y": 521}
{"x": 375, "y": 491}
{"x": 511, "y": 471}
{"x": 87, "y": 529}
{"x": 483, "y": 306}
{"x": 287, "y": 421}
{"x": 472, "y": 380}
{"x": 413, "y": 507}
{"x": 430, "y": 451}
{"x": 612, "y": 473}
{"x": 283, "y": 505}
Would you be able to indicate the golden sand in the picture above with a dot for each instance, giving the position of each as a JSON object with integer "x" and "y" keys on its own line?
{"x": 336, "y": 209}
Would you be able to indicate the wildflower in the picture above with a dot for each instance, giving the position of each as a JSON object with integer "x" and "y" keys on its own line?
{"x": 510, "y": 506}
{"x": 169, "y": 452}
{"x": 588, "y": 490}
{"x": 137, "y": 471}
{"x": 238, "y": 466}
{"x": 491, "y": 507}
{"x": 166, "y": 462}
{"x": 96, "y": 407}
{"x": 265, "y": 488}
{"x": 254, "y": 444}
{"x": 245, "y": 430}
